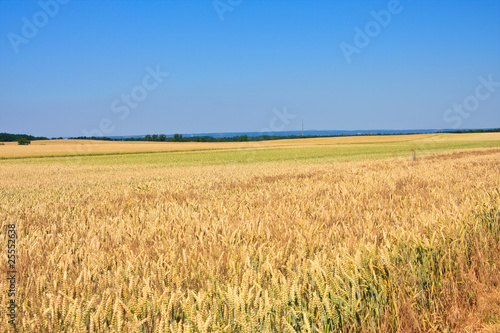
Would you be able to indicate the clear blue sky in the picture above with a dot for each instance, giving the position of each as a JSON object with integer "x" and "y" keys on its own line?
{"x": 230, "y": 63}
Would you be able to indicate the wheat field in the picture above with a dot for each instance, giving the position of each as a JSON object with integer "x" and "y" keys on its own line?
{"x": 322, "y": 235}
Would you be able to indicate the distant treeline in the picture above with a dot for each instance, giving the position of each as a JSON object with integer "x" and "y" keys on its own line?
{"x": 181, "y": 138}
{"x": 477, "y": 131}
{"x": 240, "y": 138}
{"x": 6, "y": 137}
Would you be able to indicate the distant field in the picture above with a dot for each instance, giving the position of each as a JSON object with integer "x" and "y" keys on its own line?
{"x": 343, "y": 234}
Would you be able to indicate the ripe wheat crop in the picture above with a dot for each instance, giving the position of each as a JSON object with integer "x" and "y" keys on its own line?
{"x": 309, "y": 244}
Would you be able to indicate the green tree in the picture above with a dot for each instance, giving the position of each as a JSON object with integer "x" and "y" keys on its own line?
{"x": 163, "y": 137}
{"x": 243, "y": 138}
{"x": 23, "y": 141}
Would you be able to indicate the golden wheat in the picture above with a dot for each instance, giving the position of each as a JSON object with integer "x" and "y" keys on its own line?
{"x": 390, "y": 245}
